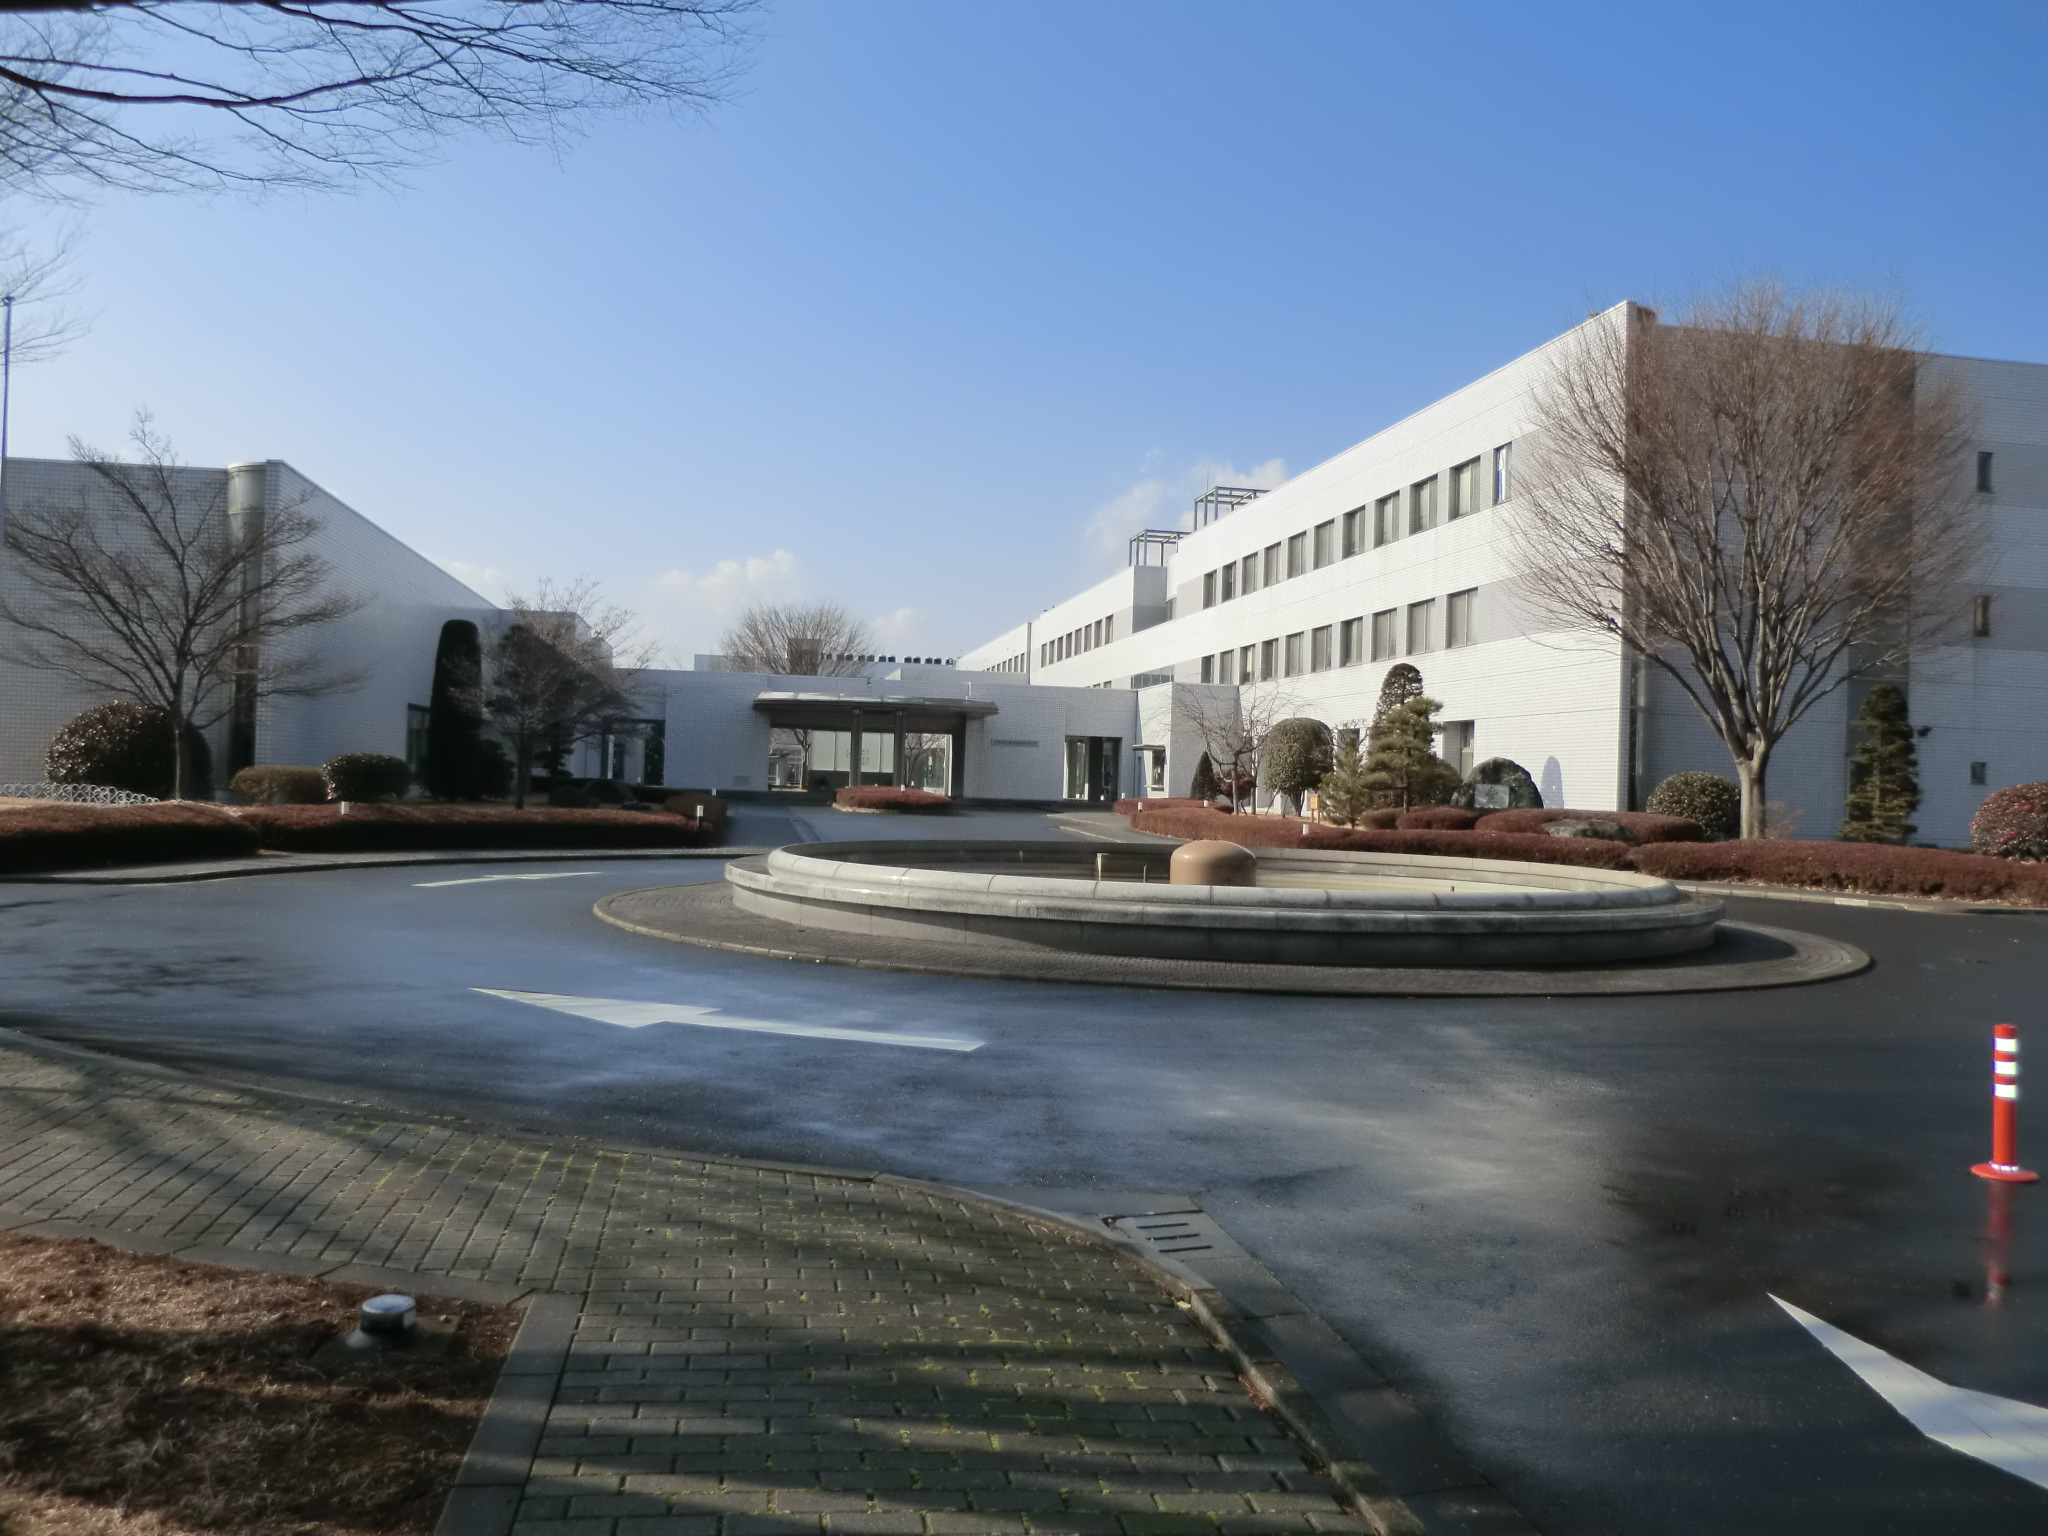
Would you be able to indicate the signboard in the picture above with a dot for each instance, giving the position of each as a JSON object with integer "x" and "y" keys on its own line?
{"x": 1489, "y": 797}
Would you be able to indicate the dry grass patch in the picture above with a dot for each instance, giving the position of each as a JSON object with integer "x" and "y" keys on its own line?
{"x": 143, "y": 1396}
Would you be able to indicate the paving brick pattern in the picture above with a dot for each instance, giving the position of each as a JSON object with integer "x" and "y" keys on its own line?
{"x": 760, "y": 1351}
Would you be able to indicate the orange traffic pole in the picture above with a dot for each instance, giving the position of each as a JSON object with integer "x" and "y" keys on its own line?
{"x": 2005, "y": 1097}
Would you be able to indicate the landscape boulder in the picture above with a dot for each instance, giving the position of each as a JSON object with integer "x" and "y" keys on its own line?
{"x": 1498, "y": 784}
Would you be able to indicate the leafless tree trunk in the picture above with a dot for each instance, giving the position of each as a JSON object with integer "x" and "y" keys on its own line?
{"x": 563, "y": 667}
{"x": 802, "y": 640}
{"x": 1764, "y": 501}
{"x": 162, "y": 94}
{"x": 1233, "y": 731}
{"x": 164, "y": 602}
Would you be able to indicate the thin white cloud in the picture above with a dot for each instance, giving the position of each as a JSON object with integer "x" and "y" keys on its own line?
{"x": 490, "y": 580}
{"x": 893, "y": 629}
{"x": 732, "y": 584}
{"x": 1167, "y": 500}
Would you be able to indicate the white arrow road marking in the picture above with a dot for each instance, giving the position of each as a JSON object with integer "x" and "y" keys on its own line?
{"x": 564, "y": 874}
{"x": 2008, "y": 1434}
{"x": 609, "y": 1010}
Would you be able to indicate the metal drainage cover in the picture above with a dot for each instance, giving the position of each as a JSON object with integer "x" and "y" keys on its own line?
{"x": 1186, "y": 1233}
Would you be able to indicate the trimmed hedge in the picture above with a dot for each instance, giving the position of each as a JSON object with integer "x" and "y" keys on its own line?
{"x": 1279, "y": 832}
{"x": 1871, "y": 869}
{"x": 694, "y": 805}
{"x": 1646, "y": 827}
{"x": 394, "y": 828}
{"x": 1131, "y": 805}
{"x": 1437, "y": 818}
{"x": 366, "y": 776}
{"x": 59, "y": 835}
{"x": 280, "y": 784}
{"x": 886, "y": 797}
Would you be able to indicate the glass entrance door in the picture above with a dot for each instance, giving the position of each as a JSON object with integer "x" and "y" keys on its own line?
{"x": 1092, "y": 768}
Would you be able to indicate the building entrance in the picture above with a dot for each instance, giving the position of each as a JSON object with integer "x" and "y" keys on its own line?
{"x": 1092, "y": 768}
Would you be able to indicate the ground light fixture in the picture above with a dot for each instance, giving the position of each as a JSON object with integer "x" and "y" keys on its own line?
{"x": 390, "y": 1321}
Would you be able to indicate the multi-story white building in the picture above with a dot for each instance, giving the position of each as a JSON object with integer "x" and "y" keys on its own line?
{"x": 1399, "y": 549}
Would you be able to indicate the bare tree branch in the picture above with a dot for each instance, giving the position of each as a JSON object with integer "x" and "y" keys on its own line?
{"x": 800, "y": 640}
{"x": 1764, "y": 502}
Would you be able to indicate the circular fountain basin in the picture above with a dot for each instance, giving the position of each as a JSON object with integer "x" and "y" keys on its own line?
{"x": 1309, "y": 907}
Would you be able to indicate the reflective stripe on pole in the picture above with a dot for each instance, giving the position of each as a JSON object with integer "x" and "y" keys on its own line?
{"x": 2005, "y": 1096}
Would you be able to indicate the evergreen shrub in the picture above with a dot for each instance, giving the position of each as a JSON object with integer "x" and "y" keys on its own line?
{"x": 1884, "y": 774}
{"x": 127, "y": 746}
{"x": 2012, "y": 823}
{"x": 1712, "y": 802}
{"x": 366, "y": 776}
{"x": 280, "y": 784}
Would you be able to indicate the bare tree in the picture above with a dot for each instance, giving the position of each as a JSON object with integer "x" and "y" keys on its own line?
{"x": 1763, "y": 502}
{"x": 564, "y": 668}
{"x": 1233, "y": 727}
{"x": 798, "y": 640}
{"x": 162, "y": 94}
{"x": 169, "y": 601}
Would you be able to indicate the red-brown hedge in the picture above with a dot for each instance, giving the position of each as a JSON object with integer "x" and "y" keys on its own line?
{"x": 400, "y": 828}
{"x": 1437, "y": 818}
{"x": 1280, "y": 832}
{"x": 63, "y": 836}
{"x": 1131, "y": 805}
{"x": 1646, "y": 827}
{"x": 886, "y": 797}
{"x": 1871, "y": 869}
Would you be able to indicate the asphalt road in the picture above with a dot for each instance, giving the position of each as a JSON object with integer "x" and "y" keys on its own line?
{"x": 1554, "y": 1222}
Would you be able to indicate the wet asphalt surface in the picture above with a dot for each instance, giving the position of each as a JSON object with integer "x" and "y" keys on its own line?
{"x": 1554, "y": 1222}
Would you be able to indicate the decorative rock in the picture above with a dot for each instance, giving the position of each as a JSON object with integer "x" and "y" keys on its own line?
{"x": 1613, "y": 831}
{"x": 1211, "y": 862}
{"x": 1496, "y": 774}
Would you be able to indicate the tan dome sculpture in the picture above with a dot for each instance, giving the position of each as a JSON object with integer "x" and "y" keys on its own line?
{"x": 1211, "y": 862}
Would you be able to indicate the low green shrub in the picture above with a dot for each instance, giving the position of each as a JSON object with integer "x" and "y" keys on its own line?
{"x": 59, "y": 835}
{"x": 366, "y": 776}
{"x": 1712, "y": 801}
{"x": 279, "y": 784}
{"x": 127, "y": 746}
{"x": 2012, "y": 823}
{"x": 886, "y": 797}
{"x": 1645, "y": 827}
{"x": 396, "y": 828}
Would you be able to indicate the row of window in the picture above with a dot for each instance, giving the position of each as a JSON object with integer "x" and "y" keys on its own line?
{"x": 1393, "y": 632}
{"x": 1077, "y": 642}
{"x": 1019, "y": 663}
{"x": 1380, "y": 522}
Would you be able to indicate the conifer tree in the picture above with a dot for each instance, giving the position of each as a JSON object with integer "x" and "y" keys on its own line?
{"x": 1884, "y": 776}
{"x": 1401, "y": 684}
{"x": 1346, "y": 794}
{"x": 1204, "y": 786}
{"x": 1402, "y": 770}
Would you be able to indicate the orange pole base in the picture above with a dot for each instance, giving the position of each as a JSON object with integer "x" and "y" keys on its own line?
{"x": 2005, "y": 1173}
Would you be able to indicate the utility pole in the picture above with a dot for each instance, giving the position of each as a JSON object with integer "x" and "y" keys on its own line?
{"x": 6, "y": 394}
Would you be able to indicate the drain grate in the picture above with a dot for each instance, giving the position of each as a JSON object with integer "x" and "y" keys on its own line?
{"x": 1172, "y": 1234}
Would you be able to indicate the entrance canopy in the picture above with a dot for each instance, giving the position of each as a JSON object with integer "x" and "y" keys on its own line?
{"x": 823, "y": 741}
{"x": 851, "y": 711}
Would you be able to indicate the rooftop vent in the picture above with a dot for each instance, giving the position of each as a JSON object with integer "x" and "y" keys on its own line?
{"x": 1154, "y": 546}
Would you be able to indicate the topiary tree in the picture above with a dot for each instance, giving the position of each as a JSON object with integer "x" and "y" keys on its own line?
{"x": 2012, "y": 823}
{"x": 1401, "y": 684}
{"x": 1298, "y": 754}
{"x": 1707, "y": 798}
{"x": 1402, "y": 769}
{"x": 455, "y": 715}
{"x": 366, "y": 776}
{"x": 1884, "y": 775}
{"x": 127, "y": 746}
{"x": 1346, "y": 794}
{"x": 1204, "y": 786}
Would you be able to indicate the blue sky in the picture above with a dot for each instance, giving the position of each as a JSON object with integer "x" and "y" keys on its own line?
{"x": 952, "y": 297}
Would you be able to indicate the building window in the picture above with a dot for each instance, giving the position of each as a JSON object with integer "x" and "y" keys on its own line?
{"x": 1354, "y": 531}
{"x": 1383, "y": 645}
{"x": 1979, "y": 773}
{"x": 1503, "y": 473}
{"x": 1324, "y": 546}
{"x": 1297, "y": 555}
{"x": 1209, "y": 589}
{"x": 1421, "y": 626}
{"x": 1229, "y": 575}
{"x": 1290, "y": 658}
{"x": 1350, "y": 642}
{"x": 1269, "y": 659}
{"x": 1244, "y": 663}
{"x": 416, "y": 717}
{"x": 1109, "y": 629}
{"x": 1465, "y": 489}
{"x": 1980, "y": 616}
{"x": 1208, "y": 669}
{"x": 1248, "y": 581}
{"x": 1984, "y": 473}
{"x": 1386, "y": 520}
{"x": 1272, "y": 565}
{"x": 1458, "y": 616}
{"x": 1319, "y": 649}
{"x": 1422, "y": 505}
{"x": 1457, "y": 746}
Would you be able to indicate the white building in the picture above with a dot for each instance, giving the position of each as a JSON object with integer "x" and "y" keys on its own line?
{"x": 1398, "y": 549}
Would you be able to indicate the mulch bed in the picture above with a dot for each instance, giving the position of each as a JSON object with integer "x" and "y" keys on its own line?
{"x": 144, "y": 1396}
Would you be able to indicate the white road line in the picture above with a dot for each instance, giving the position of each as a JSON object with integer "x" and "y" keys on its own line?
{"x": 2009, "y": 1434}
{"x": 628, "y": 1015}
{"x": 566, "y": 874}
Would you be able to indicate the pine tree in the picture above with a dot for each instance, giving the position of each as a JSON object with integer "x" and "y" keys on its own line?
{"x": 1884, "y": 777}
{"x": 1401, "y": 684}
{"x": 1204, "y": 786}
{"x": 1401, "y": 769}
{"x": 1346, "y": 794}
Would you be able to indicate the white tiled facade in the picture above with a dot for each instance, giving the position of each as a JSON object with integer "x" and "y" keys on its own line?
{"x": 1558, "y": 703}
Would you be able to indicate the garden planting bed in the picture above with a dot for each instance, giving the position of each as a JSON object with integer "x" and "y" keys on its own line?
{"x": 884, "y": 797}
{"x": 38, "y": 835}
{"x": 1867, "y": 869}
{"x": 144, "y": 1396}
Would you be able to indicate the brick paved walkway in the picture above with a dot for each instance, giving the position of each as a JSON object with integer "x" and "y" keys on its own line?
{"x": 759, "y": 1350}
